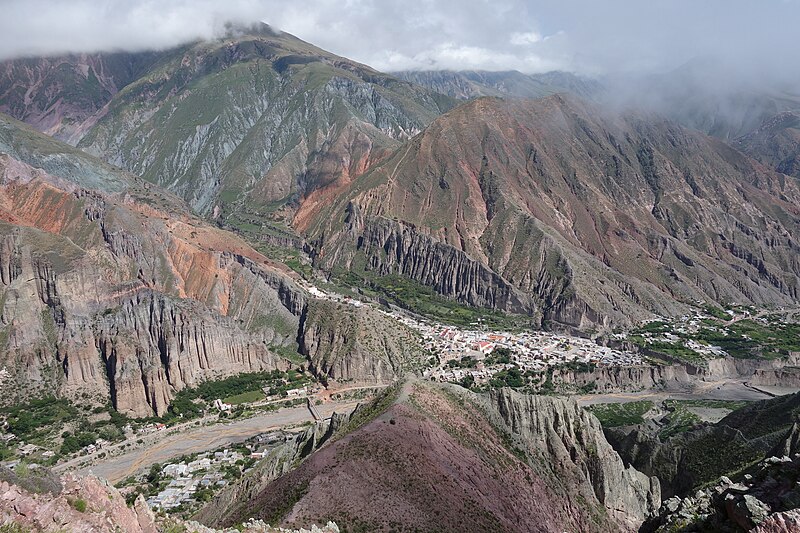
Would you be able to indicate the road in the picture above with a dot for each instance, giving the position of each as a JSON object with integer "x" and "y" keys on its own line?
{"x": 727, "y": 389}
{"x": 200, "y": 439}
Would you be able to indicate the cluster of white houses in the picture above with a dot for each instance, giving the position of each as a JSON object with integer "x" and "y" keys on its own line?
{"x": 534, "y": 351}
{"x": 188, "y": 477}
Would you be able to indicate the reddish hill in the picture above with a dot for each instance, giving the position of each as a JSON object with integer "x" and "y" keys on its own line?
{"x": 595, "y": 217}
{"x": 437, "y": 459}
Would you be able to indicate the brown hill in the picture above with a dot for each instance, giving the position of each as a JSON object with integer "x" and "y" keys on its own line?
{"x": 433, "y": 458}
{"x": 556, "y": 206}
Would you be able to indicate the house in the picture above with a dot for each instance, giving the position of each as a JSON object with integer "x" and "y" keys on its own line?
{"x": 28, "y": 449}
{"x": 484, "y": 347}
{"x": 259, "y": 455}
{"x": 222, "y": 406}
{"x": 176, "y": 470}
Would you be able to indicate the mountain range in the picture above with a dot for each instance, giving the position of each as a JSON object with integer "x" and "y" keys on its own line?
{"x": 167, "y": 217}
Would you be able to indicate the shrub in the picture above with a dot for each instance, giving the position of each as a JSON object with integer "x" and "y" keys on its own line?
{"x": 79, "y": 505}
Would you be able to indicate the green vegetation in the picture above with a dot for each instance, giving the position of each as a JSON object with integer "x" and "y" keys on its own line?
{"x": 247, "y": 387}
{"x": 621, "y": 414}
{"x": 13, "y": 528}
{"x": 78, "y": 504}
{"x": 500, "y": 356}
{"x": 245, "y": 397}
{"x": 34, "y": 420}
{"x": 716, "y": 312}
{"x": 423, "y": 300}
{"x": 464, "y": 362}
{"x": 73, "y": 443}
{"x": 752, "y": 339}
{"x": 769, "y": 337}
{"x": 511, "y": 377}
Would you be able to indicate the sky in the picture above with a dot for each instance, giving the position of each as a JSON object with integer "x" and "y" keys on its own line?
{"x": 594, "y": 37}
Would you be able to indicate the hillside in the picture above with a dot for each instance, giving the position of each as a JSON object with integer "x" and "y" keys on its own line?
{"x": 558, "y": 208}
{"x": 776, "y": 143}
{"x": 433, "y": 458}
{"x": 111, "y": 290}
{"x": 237, "y": 126}
{"x": 468, "y": 84}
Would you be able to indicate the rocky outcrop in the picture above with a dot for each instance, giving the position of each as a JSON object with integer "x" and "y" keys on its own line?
{"x": 358, "y": 344}
{"x": 765, "y": 500}
{"x": 387, "y": 247}
{"x": 682, "y": 462}
{"x": 91, "y": 505}
{"x": 773, "y": 372}
{"x": 85, "y": 505}
{"x": 572, "y": 441}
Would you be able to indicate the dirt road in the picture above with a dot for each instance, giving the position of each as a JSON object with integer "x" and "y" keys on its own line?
{"x": 200, "y": 439}
{"x": 729, "y": 389}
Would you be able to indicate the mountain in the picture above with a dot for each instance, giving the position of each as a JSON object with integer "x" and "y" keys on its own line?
{"x": 237, "y": 126}
{"x": 427, "y": 457}
{"x": 706, "y": 95}
{"x": 558, "y": 208}
{"x": 64, "y": 96}
{"x": 111, "y": 290}
{"x": 468, "y": 84}
{"x": 776, "y": 143}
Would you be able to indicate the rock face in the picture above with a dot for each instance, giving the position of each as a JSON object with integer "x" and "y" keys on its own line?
{"x": 768, "y": 500}
{"x": 105, "y": 509}
{"x": 774, "y": 372}
{"x": 596, "y": 218}
{"x": 345, "y": 343}
{"x": 121, "y": 294}
{"x": 440, "y": 458}
{"x": 387, "y": 247}
{"x": 575, "y": 443}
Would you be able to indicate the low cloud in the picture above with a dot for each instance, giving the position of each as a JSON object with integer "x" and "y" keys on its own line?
{"x": 604, "y": 38}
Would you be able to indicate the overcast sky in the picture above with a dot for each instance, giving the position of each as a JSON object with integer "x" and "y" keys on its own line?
{"x": 593, "y": 37}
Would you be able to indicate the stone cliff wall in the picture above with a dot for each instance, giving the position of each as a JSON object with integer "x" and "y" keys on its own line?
{"x": 572, "y": 441}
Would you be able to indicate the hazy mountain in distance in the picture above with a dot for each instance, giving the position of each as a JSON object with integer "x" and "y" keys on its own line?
{"x": 468, "y": 84}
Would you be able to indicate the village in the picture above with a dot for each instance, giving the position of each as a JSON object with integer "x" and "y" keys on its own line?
{"x": 534, "y": 351}
{"x": 191, "y": 480}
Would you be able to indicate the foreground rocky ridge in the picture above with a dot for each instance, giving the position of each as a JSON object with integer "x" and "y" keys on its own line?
{"x": 766, "y": 501}
{"x": 549, "y": 196}
{"x": 91, "y": 505}
{"x": 504, "y": 462}
{"x": 687, "y": 461}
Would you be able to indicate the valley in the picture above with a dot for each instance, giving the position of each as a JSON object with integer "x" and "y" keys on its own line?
{"x": 249, "y": 284}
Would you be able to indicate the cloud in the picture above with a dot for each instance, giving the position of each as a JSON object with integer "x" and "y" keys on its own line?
{"x": 594, "y": 37}
{"x": 523, "y": 39}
